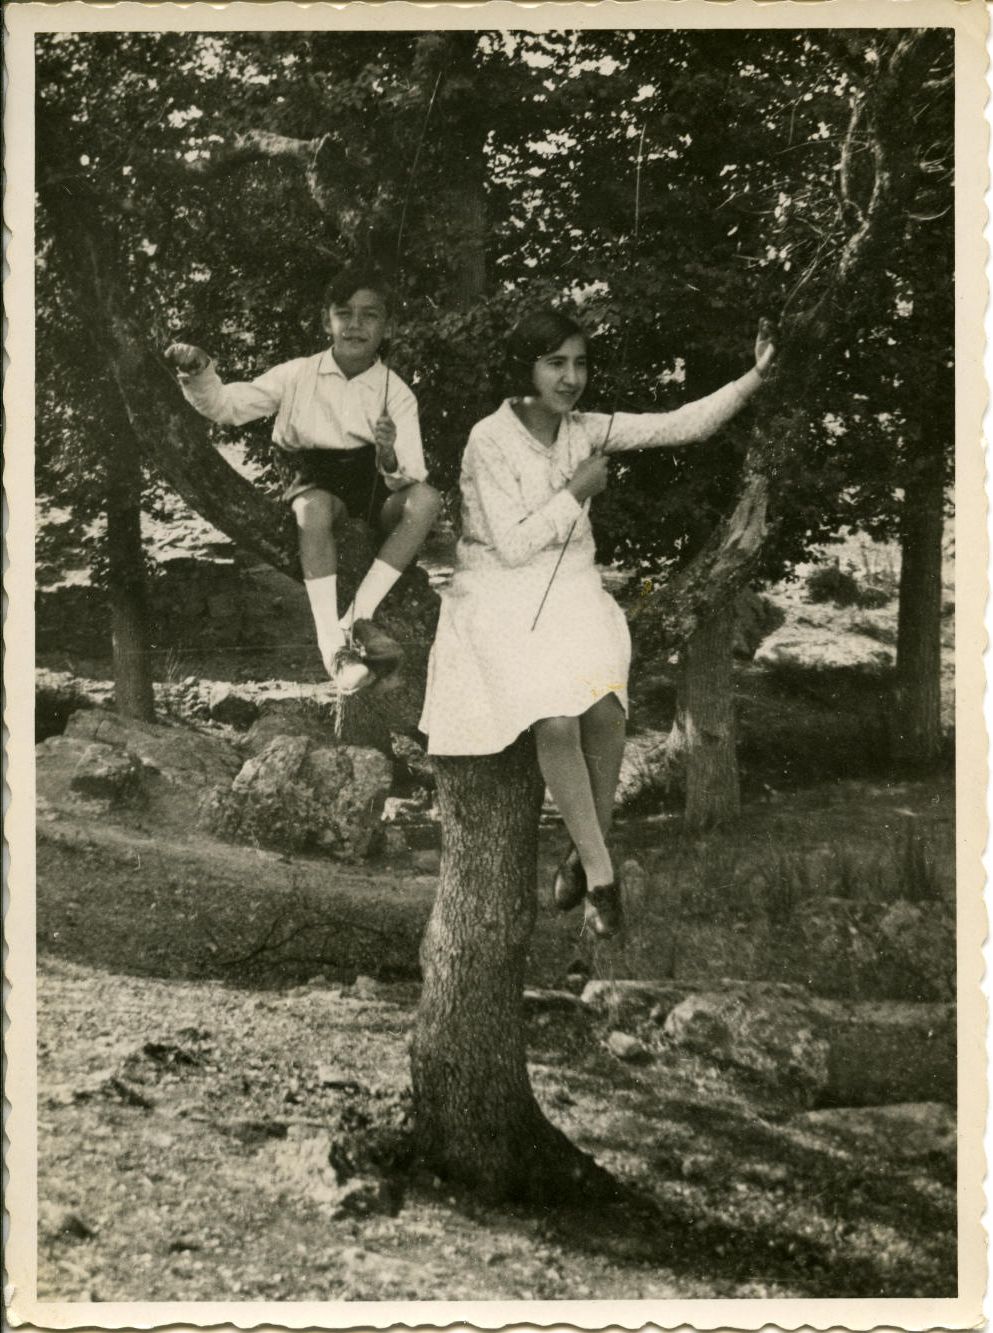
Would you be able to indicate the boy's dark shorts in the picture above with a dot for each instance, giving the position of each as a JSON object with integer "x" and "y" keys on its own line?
{"x": 350, "y": 474}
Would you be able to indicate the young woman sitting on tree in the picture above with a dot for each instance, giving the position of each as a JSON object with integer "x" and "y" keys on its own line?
{"x": 505, "y": 660}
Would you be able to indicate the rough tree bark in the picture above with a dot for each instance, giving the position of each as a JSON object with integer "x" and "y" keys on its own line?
{"x": 133, "y": 696}
{"x": 917, "y": 710}
{"x": 477, "y": 1118}
{"x": 704, "y": 727}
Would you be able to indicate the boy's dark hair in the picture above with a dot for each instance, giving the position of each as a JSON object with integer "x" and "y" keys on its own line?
{"x": 538, "y": 333}
{"x": 345, "y": 284}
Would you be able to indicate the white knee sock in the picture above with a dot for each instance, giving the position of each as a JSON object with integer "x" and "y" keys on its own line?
{"x": 373, "y": 588}
{"x": 323, "y": 594}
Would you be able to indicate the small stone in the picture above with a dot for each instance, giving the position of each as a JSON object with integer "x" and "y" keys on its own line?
{"x": 366, "y": 988}
{"x": 60, "y": 1095}
{"x": 627, "y": 1048}
{"x": 64, "y": 1224}
{"x": 183, "y": 1243}
{"x": 330, "y": 1076}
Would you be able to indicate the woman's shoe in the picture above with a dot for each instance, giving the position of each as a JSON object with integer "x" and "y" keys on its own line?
{"x": 604, "y": 914}
{"x": 569, "y": 888}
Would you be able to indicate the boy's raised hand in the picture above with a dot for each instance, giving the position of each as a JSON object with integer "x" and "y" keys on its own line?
{"x": 765, "y": 347}
{"x": 186, "y": 359}
{"x": 384, "y": 436}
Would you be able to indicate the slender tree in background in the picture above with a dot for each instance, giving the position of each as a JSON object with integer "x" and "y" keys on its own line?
{"x": 264, "y": 160}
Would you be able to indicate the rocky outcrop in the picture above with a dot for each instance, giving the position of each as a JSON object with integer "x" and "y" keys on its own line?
{"x": 872, "y": 950}
{"x": 231, "y": 709}
{"x": 818, "y": 1051}
{"x": 831, "y": 1054}
{"x": 105, "y": 762}
{"x": 297, "y": 794}
{"x": 58, "y": 694}
{"x": 363, "y": 723}
{"x": 911, "y": 1131}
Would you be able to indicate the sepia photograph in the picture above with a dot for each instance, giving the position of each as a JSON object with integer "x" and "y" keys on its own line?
{"x": 496, "y": 575}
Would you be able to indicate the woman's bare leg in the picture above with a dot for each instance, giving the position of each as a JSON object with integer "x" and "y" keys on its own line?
{"x": 563, "y": 766}
{"x": 601, "y": 731}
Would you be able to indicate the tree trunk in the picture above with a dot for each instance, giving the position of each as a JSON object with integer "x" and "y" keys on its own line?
{"x": 917, "y": 710}
{"x": 478, "y": 1122}
{"x": 133, "y": 695}
{"x": 704, "y": 729}
{"x": 467, "y": 216}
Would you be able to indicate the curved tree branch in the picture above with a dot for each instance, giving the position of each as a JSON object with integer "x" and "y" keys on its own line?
{"x": 809, "y": 339}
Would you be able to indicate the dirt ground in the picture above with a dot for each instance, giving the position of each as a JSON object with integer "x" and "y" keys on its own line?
{"x": 206, "y": 1188}
{"x": 190, "y": 1063}
{"x": 202, "y": 1031}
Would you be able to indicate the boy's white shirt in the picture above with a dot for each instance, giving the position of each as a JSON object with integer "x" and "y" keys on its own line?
{"x": 317, "y": 406}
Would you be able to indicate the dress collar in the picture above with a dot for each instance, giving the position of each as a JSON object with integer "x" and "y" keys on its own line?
{"x": 522, "y": 433}
{"x": 369, "y": 379}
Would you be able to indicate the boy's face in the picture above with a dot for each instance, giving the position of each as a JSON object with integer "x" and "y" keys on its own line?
{"x": 356, "y": 327}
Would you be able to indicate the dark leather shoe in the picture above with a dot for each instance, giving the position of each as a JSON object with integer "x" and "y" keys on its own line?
{"x": 379, "y": 651}
{"x": 569, "y": 888}
{"x": 604, "y": 914}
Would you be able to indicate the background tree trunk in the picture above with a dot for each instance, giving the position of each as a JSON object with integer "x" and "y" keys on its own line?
{"x": 704, "y": 729}
{"x": 133, "y": 696}
{"x": 917, "y": 705}
{"x": 477, "y": 1118}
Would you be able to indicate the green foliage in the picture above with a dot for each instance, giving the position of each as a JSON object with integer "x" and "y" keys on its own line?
{"x": 831, "y": 583}
{"x": 524, "y": 193}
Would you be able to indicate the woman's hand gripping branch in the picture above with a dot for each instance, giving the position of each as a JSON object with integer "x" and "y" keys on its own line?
{"x": 589, "y": 478}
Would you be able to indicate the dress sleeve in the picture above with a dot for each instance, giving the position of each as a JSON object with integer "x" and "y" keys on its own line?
{"x": 236, "y": 403}
{"x": 493, "y": 494}
{"x": 692, "y": 421}
{"x": 402, "y": 407}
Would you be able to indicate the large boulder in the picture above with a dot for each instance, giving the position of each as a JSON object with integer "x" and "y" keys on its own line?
{"x": 299, "y": 795}
{"x": 829, "y": 1053}
{"x": 854, "y": 947}
{"x": 816, "y": 638}
{"x": 647, "y": 768}
{"x": 756, "y": 617}
{"x": 230, "y": 708}
{"x": 909, "y": 1131}
{"x": 622, "y": 1003}
{"x": 80, "y": 774}
{"x": 780, "y": 1039}
{"x": 104, "y": 761}
{"x": 361, "y": 722}
{"x": 57, "y": 695}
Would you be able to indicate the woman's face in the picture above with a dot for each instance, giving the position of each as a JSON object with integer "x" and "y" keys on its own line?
{"x": 559, "y": 377}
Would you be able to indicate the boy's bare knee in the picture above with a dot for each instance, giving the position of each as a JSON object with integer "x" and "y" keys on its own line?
{"x": 423, "y": 501}
{"x": 316, "y": 511}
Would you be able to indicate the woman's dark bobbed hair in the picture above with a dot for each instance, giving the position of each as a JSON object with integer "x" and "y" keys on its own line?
{"x": 538, "y": 333}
